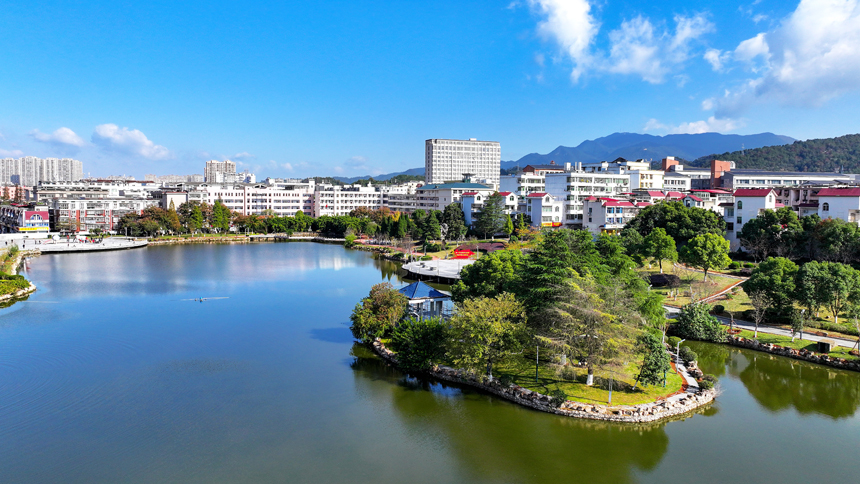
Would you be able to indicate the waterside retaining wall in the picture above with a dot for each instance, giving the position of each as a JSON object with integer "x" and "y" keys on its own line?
{"x": 801, "y": 354}
{"x": 646, "y": 412}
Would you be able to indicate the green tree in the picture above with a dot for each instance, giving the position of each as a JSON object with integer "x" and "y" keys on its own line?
{"x": 419, "y": 342}
{"x": 455, "y": 220}
{"x": 402, "y": 227}
{"x": 772, "y": 232}
{"x": 495, "y": 273}
{"x": 492, "y": 217}
{"x": 509, "y": 226}
{"x": 680, "y": 222}
{"x": 660, "y": 246}
{"x": 545, "y": 270}
{"x": 484, "y": 331}
{"x": 656, "y": 362}
{"x": 695, "y": 322}
{"x": 220, "y": 216}
{"x": 706, "y": 251}
{"x": 774, "y": 277}
{"x": 431, "y": 226}
{"x": 841, "y": 285}
{"x": 811, "y": 284}
{"x": 577, "y": 324}
{"x": 378, "y": 312}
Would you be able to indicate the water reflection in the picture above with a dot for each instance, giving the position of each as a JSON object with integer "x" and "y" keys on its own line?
{"x": 779, "y": 383}
{"x": 497, "y": 441}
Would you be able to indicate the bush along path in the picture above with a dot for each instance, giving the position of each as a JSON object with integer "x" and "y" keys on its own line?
{"x": 689, "y": 399}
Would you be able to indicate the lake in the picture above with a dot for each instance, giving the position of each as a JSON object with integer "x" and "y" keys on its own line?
{"x": 111, "y": 373}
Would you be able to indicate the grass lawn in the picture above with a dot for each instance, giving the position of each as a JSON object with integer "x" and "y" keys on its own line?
{"x": 522, "y": 372}
{"x": 702, "y": 289}
{"x": 785, "y": 341}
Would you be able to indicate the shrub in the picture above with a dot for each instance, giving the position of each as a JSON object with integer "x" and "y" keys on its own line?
{"x": 694, "y": 322}
{"x": 708, "y": 382}
{"x": 749, "y": 265}
{"x": 350, "y": 241}
{"x": 558, "y": 397}
{"x": 514, "y": 238}
{"x": 13, "y": 251}
{"x": 687, "y": 355}
{"x": 378, "y": 312}
{"x": 506, "y": 380}
{"x": 746, "y": 272}
{"x": 419, "y": 343}
{"x": 434, "y": 247}
{"x": 735, "y": 265}
{"x": 427, "y": 257}
{"x": 673, "y": 341}
{"x": 566, "y": 373}
{"x": 719, "y": 309}
{"x": 665, "y": 280}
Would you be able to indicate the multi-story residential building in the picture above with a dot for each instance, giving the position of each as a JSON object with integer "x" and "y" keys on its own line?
{"x": 439, "y": 196}
{"x": 16, "y": 193}
{"x": 24, "y": 218}
{"x": 446, "y": 160}
{"x": 214, "y": 167}
{"x": 748, "y": 204}
{"x": 609, "y": 215}
{"x": 473, "y": 203}
{"x": 736, "y": 179}
{"x": 699, "y": 178}
{"x": 96, "y": 189}
{"x": 254, "y": 199}
{"x": 30, "y": 170}
{"x": 84, "y": 215}
{"x": 400, "y": 198}
{"x": 340, "y": 200}
{"x": 544, "y": 209}
{"x": 839, "y": 202}
{"x": 168, "y": 179}
{"x": 572, "y": 188}
{"x": 530, "y": 179}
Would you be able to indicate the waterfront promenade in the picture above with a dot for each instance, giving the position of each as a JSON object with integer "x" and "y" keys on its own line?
{"x": 48, "y": 246}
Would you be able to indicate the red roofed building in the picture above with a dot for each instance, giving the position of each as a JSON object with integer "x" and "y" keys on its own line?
{"x": 749, "y": 203}
{"x": 842, "y": 203}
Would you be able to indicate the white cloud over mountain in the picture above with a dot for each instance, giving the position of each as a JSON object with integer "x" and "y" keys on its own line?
{"x": 129, "y": 141}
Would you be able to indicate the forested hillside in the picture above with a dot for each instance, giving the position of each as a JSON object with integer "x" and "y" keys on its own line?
{"x": 829, "y": 154}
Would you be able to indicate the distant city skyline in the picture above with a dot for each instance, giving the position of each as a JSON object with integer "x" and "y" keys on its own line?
{"x": 298, "y": 89}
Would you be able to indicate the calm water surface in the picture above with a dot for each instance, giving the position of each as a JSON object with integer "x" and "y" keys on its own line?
{"x": 107, "y": 375}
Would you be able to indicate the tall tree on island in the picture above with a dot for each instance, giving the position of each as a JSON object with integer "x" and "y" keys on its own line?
{"x": 492, "y": 217}
{"x": 456, "y": 221}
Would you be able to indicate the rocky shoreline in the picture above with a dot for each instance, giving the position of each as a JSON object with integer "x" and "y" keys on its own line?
{"x": 16, "y": 264}
{"x": 802, "y": 354}
{"x": 642, "y": 413}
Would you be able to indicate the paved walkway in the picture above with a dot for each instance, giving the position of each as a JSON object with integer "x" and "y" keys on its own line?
{"x": 848, "y": 343}
{"x": 47, "y": 246}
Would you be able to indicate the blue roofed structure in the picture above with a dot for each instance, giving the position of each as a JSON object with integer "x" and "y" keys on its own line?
{"x": 427, "y": 302}
{"x": 420, "y": 290}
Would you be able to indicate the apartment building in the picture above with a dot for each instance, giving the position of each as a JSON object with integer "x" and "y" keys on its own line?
{"x": 340, "y": 200}
{"x": 215, "y": 167}
{"x": 446, "y": 160}
{"x": 572, "y": 188}
{"x": 737, "y": 179}
{"x": 609, "y": 215}
{"x": 84, "y": 215}
{"x": 30, "y": 170}
{"x": 96, "y": 189}
{"x": 439, "y": 196}
{"x": 545, "y": 209}
{"x": 748, "y": 204}
{"x": 473, "y": 203}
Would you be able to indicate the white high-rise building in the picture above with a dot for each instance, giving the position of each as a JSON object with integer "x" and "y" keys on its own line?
{"x": 213, "y": 167}
{"x": 30, "y": 170}
{"x": 447, "y": 160}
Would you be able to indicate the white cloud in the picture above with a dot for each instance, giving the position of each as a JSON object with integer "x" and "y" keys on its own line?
{"x": 571, "y": 25}
{"x": 811, "y": 57}
{"x": 131, "y": 141}
{"x": 11, "y": 153}
{"x": 710, "y": 125}
{"x": 62, "y": 137}
{"x": 287, "y": 166}
{"x": 637, "y": 47}
{"x": 717, "y": 58}
{"x": 243, "y": 156}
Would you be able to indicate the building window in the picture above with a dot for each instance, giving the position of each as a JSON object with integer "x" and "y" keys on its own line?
{"x": 826, "y": 207}
{"x": 740, "y": 220}
{"x": 740, "y": 204}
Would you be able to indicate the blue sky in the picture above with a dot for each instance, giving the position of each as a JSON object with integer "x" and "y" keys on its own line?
{"x": 351, "y": 88}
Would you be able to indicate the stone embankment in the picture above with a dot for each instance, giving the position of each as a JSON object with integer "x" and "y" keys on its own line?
{"x": 801, "y": 354}
{"x": 646, "y": 412}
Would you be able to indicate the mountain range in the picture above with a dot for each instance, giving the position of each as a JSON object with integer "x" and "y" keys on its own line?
{"x": 632, "y": 146}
